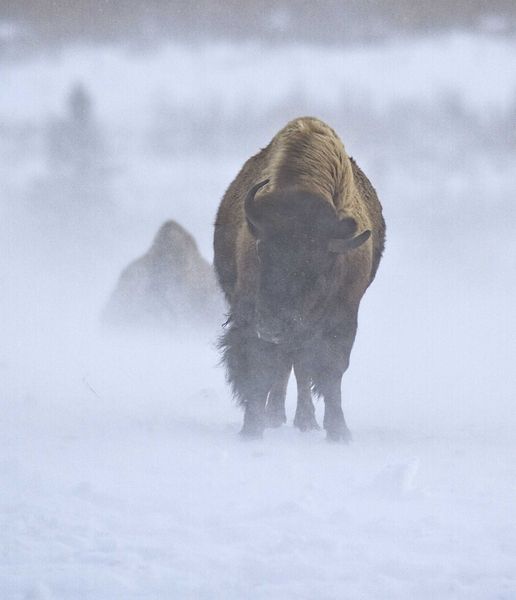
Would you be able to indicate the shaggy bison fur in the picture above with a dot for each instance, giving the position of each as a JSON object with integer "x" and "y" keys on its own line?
{"x": 298, "y": 239}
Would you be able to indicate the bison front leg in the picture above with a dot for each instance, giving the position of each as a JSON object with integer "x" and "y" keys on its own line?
{"x": 254, "y": 391}
{"x": 330, "y": 361}
{"x": 251, "y": 366}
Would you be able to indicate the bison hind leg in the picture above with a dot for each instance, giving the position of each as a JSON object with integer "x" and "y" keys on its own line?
{"x": 275, "y": 415}
{"x": 304, "y": 419}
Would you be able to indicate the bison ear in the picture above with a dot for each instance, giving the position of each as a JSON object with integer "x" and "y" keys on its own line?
{"x": 340, "y": 245}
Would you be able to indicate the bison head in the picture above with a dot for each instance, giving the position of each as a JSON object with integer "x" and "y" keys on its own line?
{"x": 298, "y": 237}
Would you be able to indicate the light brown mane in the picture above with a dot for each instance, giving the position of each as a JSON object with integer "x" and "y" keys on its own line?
{"x": 307, "y": 155}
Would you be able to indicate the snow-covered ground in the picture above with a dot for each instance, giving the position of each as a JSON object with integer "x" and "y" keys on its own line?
{"x": 122, "y": 475}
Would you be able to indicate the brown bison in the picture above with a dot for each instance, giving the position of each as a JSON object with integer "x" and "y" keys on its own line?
{"x": 298, "y": 238}
{"x": 171, "y": 286}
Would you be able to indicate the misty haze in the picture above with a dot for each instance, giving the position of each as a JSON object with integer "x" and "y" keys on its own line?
{"x": 122, "y": 473}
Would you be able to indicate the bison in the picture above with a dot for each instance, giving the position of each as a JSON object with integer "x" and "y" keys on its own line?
{"x": 299, "y": 235}
{"x": 170, "y": 287}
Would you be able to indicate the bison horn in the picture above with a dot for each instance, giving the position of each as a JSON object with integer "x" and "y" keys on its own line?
{"x": 339, "y": 245}
{"x": 250, "y": 207}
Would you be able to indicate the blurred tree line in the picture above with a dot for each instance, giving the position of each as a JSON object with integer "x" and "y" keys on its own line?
{"x": 331, "y": 21}
{"x": 76, "y": 184}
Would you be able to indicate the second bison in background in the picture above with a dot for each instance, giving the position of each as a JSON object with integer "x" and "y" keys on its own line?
{"x": 298, "y": 239}
{"x": 171, "y": 287}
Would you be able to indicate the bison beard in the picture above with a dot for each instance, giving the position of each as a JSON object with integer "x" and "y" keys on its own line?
{"x": 298, "y": 239}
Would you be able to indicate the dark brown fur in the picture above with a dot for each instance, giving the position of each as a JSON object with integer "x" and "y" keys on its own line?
{"x": 297, "y": 293}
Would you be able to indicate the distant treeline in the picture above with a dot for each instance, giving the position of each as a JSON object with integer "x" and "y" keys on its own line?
{"x": 332, "y": 21}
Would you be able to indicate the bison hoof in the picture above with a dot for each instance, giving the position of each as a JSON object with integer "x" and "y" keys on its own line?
{"x": 274, "y": 419}
{"x": 306, "y": 422}
{"x": 251, "y": 433}
{"x": 341, "y": 435}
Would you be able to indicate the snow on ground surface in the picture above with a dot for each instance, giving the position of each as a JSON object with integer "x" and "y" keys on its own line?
{"x": 122, "y": 475}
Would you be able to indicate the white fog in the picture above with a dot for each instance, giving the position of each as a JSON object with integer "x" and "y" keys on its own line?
{"x": 122, "y": 473}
